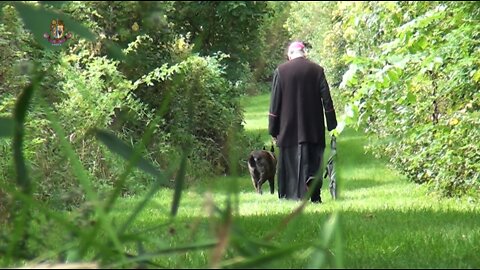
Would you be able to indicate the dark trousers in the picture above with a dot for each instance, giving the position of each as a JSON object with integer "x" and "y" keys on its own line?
{"x": 296, "y": 165}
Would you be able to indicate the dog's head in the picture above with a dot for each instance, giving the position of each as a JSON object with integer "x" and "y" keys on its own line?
{"x": 263, "y": 158}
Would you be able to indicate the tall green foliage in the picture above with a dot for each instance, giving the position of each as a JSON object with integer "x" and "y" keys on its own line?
{"x": 413, "y": 80}
{"x": 273, "y": 41}
{"x": 118, "y": 78}
{"x": 230, "y": 27}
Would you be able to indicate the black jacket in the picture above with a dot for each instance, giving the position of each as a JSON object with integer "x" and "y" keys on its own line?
{"x": 300, "y": 95}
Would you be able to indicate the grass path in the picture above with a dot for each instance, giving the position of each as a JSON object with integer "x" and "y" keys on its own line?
{"x": 385, "y": 221}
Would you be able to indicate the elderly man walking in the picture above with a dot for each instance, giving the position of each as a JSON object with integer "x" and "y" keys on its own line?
{"x": 299, "y": 101}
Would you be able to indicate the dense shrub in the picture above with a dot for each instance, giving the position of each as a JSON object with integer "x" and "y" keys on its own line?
{"x": 413, "y": 79}
{"x": 88, "y": 87}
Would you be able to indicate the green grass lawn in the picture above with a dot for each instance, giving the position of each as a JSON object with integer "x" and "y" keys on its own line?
{"x": 384, "y": 220}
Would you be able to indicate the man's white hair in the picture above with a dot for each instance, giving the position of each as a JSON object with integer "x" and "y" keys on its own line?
{"x": 296, "y": 49}
{"x": 296, "y": 53}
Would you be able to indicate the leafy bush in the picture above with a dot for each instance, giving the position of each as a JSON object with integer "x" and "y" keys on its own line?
{"x": 230, "y": 27}
{"x": 272, "y": 43}
{"x": 410, "y": 73}
{"x": 416, "y": 87}
{"x": 204, "y": 108}
{"x": 89, "y": 95}
{"x": 90, "y": 89}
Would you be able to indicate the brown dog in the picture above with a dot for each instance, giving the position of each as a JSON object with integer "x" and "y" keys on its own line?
{"x": 263, "y": 166}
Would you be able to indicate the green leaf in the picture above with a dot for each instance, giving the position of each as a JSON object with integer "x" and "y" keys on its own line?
{"x": 422, "y": 42}
{"x": 389, "y": 46}
{"x": 411, "y": 97}
{"x": 122, "y": 149}
{"x": 37, "y": 19}
{"x": 351, "y": 113}
{"x": 114, "y": 51}
{"x": 19, "y": 115}
{"x": 438, "y": 60}
{"x": 179, "y": 185}
{"x": 21, "y": 215}
{"x": 392, "y": 75}
{"x": 6, "y": 127}
{"x": 136, "y": 152}
{"x": 329, "y": 230}
{"x": 338, "y": 243}
{"x": 330, "y": 235}
{"x": 263, "y": 259}
{"x": 476, "y": 76}
{"x": 388, "y": 107}
{"x": 399, "y": 61}
{"x": 349, "y": 77}
{"x": 318, "y": 258}
{"x": 104, "y": 225}
{"x": 119, "y": 147}
{"x": 76, "y": 165}
{"x": 141, "y": 205}
{"x": 147, "y": 257}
